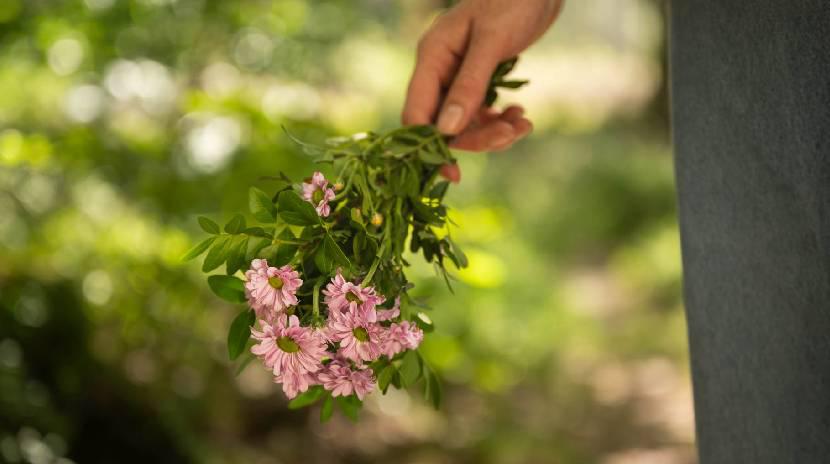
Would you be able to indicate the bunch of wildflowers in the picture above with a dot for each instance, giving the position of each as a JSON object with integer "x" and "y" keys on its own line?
{"x": 329, "y": 311}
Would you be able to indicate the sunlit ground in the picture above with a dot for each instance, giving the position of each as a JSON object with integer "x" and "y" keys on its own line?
{"x": 120, "y": 121}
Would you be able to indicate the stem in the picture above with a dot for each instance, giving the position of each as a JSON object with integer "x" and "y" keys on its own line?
{"x": 348, "y": 185}
{"x": 316, "y": 298}
{"x": 287, "y": 242}
{"x": 384, "y": 243}
{"x": 372, "y": 269}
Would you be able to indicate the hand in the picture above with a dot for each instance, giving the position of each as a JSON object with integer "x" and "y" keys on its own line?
{"x": 456, "y": 57}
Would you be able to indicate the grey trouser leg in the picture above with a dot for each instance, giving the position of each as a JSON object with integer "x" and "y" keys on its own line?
{"x": 751, "y": 123}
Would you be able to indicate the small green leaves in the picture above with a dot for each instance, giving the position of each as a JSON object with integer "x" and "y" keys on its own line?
{"x": 296, "y": 211}
{"x": 410, "y": 369}
{"x": 432, "y": 387}
{"x": 239, "y": 333}
{"x": 307, "y": 398}
{"x": 235, "y": 225}
{"x": 350, "y": 405}
{"x": 497, "y": 80}
{"x": 385, "y": 377}
{"x": 431, "y": 157}
{"x": 261, "y": 206}
{"x": 208, "y": 226}
{"x": 217, "y": 254}
{"x": 424, "y": 322}
{"x": 198, "y": 249}
{"x": 237, "y": 249}
{"x": 330, "y": 256}
{"x": 228, "y": 288}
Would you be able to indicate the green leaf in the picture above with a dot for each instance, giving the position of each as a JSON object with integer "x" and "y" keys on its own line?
{"x": 208, "y": 225}
{"x": 426, "y": 214}
{"x": 236, "y": 254}
{"x": 439, "y": 190}
{"x": 228, "y": 288}
{"x": 454, "y": 252}
{"x": 307, "y": 398}
{"x": 308, "y": 148}
{"x": 261, "y": 206}
{"x": 430, "y": 157}
{"x": 432, "y": 388}
{"x": 216, "y": 255}
{"x": 235, "y": 225}
{"x": 335, "y": 252}
{"x": 385, "y": 377}
{"x": 424, "y": 323}
{"x": 330, "y": 256}
{"x": 511, "y": 84}
{"x": 280, "y": 254}
{"x": 255, "y": 246}
{"x": 239, "y": 333}
{"x": 410, "y": 369}
{"x": 296, "y": 211}
{"x": 327, "y": 409}
{"x": 257, "y": 232}
{"x": 350, "y": 405}
{"x": 198, "y": 249}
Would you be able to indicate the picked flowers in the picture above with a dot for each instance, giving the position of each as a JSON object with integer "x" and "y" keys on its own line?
{"x": 329, "y": 311}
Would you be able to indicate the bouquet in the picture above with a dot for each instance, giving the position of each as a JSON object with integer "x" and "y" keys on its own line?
{"x": 329, "y": 311}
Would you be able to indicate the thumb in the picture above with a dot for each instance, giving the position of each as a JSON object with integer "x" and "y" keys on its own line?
{"x": 467, "y": 91}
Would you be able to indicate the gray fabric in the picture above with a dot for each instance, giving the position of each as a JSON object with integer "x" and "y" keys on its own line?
{"x": 751, "y": 128}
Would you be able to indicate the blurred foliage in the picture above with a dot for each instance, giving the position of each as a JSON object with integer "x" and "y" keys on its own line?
{"x": 122, "y": 120}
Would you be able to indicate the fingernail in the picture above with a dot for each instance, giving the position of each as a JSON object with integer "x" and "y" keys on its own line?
{"x": 450, "y": 119}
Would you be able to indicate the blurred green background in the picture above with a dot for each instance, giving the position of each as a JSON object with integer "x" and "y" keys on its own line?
{"x": 121, "y": 120}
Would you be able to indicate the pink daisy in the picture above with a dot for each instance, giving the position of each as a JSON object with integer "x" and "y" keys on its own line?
{"x": 342, "y": 380}
{"x": 400, "y": 337}
{"x": 318, "y": 194}
{"x": 270, "y": 290}
{"x": 342, "y": 296}
{"x": 360, "y": 340}
{"x": 293, "y": 353}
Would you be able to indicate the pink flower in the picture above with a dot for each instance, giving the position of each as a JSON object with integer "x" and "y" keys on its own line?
{"x": 400, "y": 337}
{"x": 270, "y": 290}
{"x": 342, "y": 380}
{"x": 360, "y": 340}
{"x": 318, "y": 194}
{"x": 342, "y": 296}
{"x": 293, "y": 353}
{"x": 393, "y": 312}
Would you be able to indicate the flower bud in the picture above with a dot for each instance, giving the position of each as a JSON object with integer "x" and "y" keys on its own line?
{"x": 338, "y": 186}
{"x": 377, "y": 219}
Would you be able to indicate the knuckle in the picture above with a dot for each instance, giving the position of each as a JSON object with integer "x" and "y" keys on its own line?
{"x": 467, "y": 83}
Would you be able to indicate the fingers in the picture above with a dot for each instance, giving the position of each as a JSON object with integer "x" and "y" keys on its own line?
{"x": 451, "y": 172}
{"x": 469, "y": 86}
{"x": 491, "y": 133}
{"x": 437, "y": 62}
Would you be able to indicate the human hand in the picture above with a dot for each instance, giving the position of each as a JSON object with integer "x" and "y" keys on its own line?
{"x": 456, "y": 58}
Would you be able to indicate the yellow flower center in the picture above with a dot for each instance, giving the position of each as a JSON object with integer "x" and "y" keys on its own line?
{"x": 352, "y": 297}
{"x": 361, "y": 334}
{"x": 276, "y": 282}
{"x": 288, "y": 345}
{"x": 317, "y": 196}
